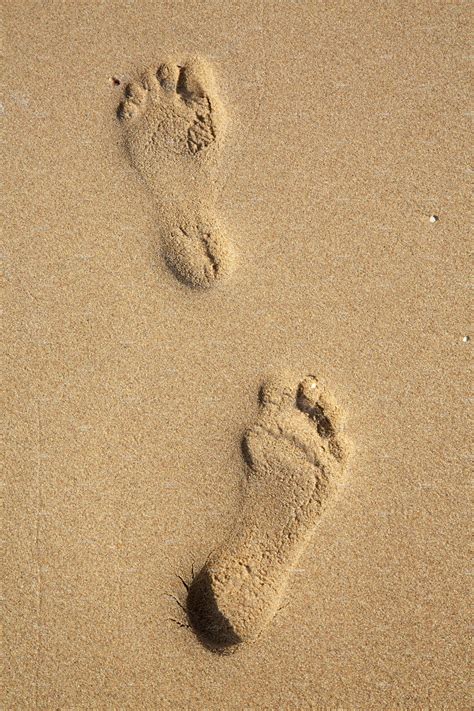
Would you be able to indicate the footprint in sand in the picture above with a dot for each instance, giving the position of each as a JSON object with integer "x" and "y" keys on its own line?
{"x": 296, "y": 455}
{"x": 174, "y": 126}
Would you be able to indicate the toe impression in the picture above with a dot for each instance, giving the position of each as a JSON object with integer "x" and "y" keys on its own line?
{"x": 168, "y": 76}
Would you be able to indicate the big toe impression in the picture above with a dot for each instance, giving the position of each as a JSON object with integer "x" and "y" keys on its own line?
{"x": 195, "y": 80}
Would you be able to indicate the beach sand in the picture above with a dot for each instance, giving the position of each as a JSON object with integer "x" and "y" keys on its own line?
{"x": 324, "y": 179}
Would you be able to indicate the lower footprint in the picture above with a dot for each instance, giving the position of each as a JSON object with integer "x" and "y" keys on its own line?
{"x": 296, "y": 456}
{"x": 174, "y": 126}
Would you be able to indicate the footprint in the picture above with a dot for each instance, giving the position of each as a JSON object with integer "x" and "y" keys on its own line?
{"x": 296, "y": 456}
{"x": 174, "y": 126}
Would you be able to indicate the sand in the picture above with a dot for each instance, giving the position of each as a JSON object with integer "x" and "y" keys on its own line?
{"x": 323, "y": 195}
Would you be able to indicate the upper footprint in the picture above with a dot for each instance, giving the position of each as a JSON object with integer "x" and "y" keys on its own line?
{"x": 173, "y": 125}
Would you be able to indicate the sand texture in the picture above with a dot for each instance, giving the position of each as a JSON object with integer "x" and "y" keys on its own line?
{"x": 236, "y": 349}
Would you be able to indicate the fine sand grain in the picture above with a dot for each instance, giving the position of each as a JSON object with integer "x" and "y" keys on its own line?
{"x": 202, "y": 197}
